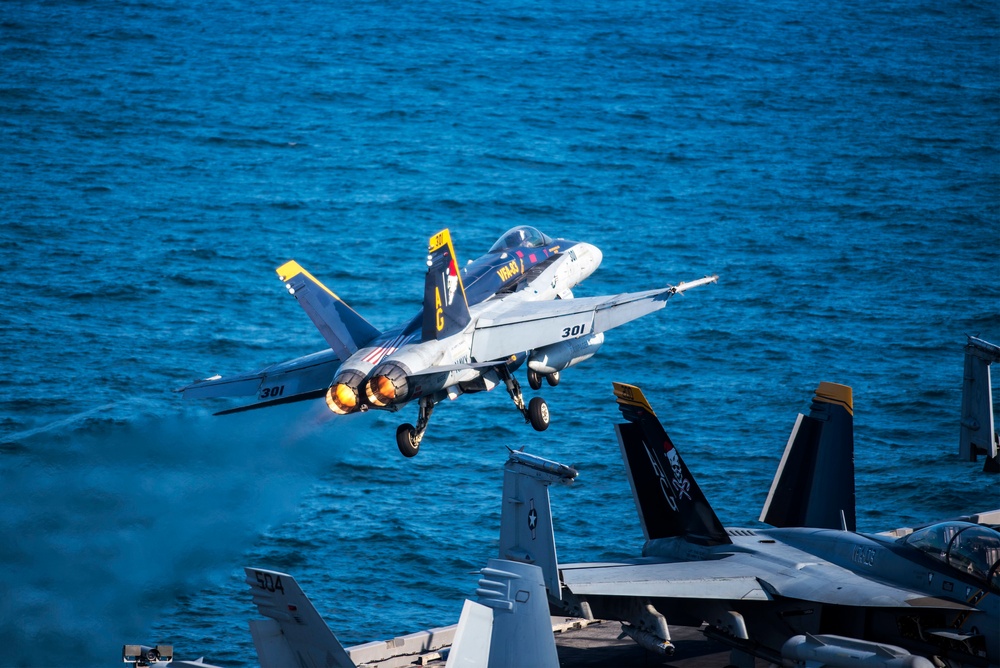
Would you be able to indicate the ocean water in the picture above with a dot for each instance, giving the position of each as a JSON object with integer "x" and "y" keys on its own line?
{"x": 838, "y": 166}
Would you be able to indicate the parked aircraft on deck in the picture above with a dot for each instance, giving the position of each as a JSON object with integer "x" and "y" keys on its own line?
{"x": 810, "y": 591}
{"x": 477, "y": 326}
{"x": 508, "y": 626}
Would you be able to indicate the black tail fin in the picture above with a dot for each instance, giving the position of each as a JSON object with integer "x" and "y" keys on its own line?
{"x": 814, "y": 483}
{"x": 446, "y": 310}
{"x": 669, "y": 501}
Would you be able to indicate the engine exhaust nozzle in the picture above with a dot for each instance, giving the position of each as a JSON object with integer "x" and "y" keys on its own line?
{"x": 343, "y": 396}
{"x": 388, "y": 385}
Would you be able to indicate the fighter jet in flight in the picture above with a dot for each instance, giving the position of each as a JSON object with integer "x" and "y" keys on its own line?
{"x": 477, "y": 326}
{"x": 811, "y": 591}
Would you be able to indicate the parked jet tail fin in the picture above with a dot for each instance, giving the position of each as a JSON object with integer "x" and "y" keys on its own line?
{"x": 668, "y": 499}
{"x": 509, "y": 626}
{"x": 344, "y": 330}
{"x": 446, "y": 310}
{"x": 814, "y": 482}
{"x": 526, "y": 532}
{"x": 294, "y": 634}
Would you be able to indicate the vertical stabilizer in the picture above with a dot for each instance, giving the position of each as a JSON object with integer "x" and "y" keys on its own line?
{"x": 814, "y": 482}
{"x": 446, "y": 310}
{"x": 526, "y": 533}
{"x": 294, "y": 634}
{"x": 668, "y": 499}
{"x": 343, "y": 329}
{"x": 976, "y": 433}
{"x": 509, "y": 626}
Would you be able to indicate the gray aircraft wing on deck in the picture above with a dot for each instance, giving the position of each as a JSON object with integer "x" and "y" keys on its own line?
{"x": 746, "y": 577}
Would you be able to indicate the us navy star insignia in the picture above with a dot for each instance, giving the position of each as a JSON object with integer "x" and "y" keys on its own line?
{"x": 532, "y": 518}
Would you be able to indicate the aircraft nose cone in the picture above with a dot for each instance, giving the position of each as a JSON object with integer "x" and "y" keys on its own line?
{"x": 591, "y": 255}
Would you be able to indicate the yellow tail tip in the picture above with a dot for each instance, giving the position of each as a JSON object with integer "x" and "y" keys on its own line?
{"x": 833, "y": 393}
{"x": 632, "y": 396}
{"x": 288, "y": 270}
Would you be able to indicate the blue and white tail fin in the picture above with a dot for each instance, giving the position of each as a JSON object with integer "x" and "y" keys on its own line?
{"x": 814, "y": 484}
{"x": 509, "y": 626}
{"x": 446, "y": 310}
{"x": 344, "y": 330}
{"x": 294, "y": 634}
{"x": 668, "y": 499}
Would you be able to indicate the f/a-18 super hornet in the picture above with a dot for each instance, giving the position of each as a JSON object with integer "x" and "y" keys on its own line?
{"x": 811, "y": 591}
{"x": 478, "y": 325}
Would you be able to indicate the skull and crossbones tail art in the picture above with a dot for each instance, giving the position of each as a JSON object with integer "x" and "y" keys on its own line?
{"x": 680, "y": 484}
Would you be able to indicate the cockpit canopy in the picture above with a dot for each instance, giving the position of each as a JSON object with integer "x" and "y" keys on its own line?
{"x": 971, "y": 548}
{"x": 522, "y": 235}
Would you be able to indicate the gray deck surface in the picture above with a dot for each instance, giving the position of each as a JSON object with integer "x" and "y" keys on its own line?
{"x": 597, "y": 645}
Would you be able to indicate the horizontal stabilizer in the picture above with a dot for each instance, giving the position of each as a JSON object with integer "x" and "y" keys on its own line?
{"x": 446, "y": 310}
{"x": 305, "y": 396}
{"x": 303, "y": 635}
{"x": 814, "y": 484}
{"x": 668, "y": 499}
{"x": 299, "y": 379}
{"x": 341, "y": 326}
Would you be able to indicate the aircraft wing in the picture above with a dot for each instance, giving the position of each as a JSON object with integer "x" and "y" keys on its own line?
{"x": 531, "y": 325}
{"x": 744, "y": 577}
{"x": 297, "y": 380}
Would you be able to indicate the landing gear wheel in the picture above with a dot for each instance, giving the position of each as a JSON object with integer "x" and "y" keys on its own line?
{"x": 406, "y": 440}
{"x": 552, "y": 379}
{"x": 534, "y": 380}
{"x": 538, "y": 414}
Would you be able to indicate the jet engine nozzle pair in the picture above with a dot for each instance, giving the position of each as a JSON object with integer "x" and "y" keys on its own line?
{"x": 385, "y": 385}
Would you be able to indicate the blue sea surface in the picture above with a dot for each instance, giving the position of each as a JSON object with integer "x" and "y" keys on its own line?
{"x": 837, "y": 164}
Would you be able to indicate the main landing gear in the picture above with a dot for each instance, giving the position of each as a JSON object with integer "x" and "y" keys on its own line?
{"x": 408, "y": 437}
{"x": 535, "y": 379}
{"x": 536, "y": 412}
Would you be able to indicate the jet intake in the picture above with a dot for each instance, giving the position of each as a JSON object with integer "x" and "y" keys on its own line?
{"x": 343, "y": 396}
{"x": 388, "y": 384}
{"x": 559, "y": 356}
